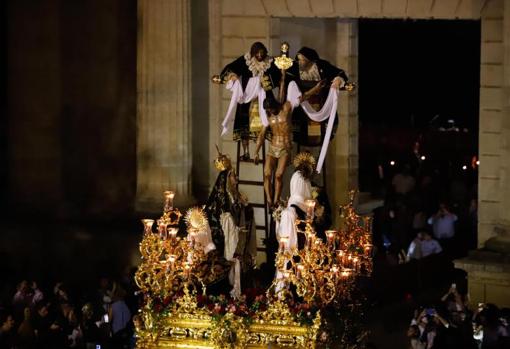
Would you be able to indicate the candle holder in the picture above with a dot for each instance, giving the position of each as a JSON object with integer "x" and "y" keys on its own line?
{"x": 323, "y": 272}
{"x": 170, "y": 264}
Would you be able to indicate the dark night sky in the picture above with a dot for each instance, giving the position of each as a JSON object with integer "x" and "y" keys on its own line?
{"x": 419, "y": 68}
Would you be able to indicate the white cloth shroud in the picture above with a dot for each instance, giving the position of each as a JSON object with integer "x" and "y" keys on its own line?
{"x": 300, "y": 191}
{"x": 254, "y": 90}
{"x": 328, "y": 111}
{"x": 231, "y": 232}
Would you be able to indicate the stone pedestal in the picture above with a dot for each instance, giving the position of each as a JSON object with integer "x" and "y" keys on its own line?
{"x": 488, "y": 277}
{"x": 164, "y": 107}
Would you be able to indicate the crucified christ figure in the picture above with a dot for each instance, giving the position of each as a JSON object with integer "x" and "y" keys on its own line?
{"x": 280, "y": 148}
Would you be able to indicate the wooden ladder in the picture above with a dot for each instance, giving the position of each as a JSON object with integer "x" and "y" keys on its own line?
{"x": 263, "y": 205}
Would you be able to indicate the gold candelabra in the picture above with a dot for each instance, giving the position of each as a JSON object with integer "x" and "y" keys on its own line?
{"x": 325, "y": 271}
{"x": 170, "y": 263}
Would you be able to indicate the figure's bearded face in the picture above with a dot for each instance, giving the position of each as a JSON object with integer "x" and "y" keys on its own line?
{"x": 260, "y": 55}
{"x": 304, "y": 63}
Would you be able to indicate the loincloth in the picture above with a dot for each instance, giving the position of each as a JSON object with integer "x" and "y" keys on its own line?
{"x": 278, "y": 152}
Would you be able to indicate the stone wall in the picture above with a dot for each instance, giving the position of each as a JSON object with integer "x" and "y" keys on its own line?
{"x": 491, "y": 116}
{"x": 71, "y": 96}
{"x": 235, "y": 24}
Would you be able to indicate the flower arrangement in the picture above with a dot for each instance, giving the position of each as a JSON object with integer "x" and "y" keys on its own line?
{"x": 246, "y": 307}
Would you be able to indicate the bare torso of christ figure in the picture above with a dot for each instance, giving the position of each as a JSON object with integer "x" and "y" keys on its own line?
{"x": 279, "y": 155}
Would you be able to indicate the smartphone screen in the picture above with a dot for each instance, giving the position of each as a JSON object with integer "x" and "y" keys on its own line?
{"x": 105, "y": 318}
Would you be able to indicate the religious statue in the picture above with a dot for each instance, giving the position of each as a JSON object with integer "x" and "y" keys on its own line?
{"x": 232, "y": 223}
{"x": 308, "y": 69}
{"x": 280, "y": 148}
{"x": 256, "y": 75}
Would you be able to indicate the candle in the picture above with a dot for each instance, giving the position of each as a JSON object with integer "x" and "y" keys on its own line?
{"x": 334, "y": 268}
{"x": 349, "y": 260}
{"x": 330, "y": 234}
{"x": 310, "y": 204}
{"x": 173, "y": 233}
{"x": 300, "y": 267}
{"x": 355, "y": 262}
{"x": 283, "y": 243}
{"x": 147, "y": 225}
{"x": 172, "y": 258}
{"x": 169, "y": 200}
{"x": 187, "y": 269}
{"x": 162, "y": 230}
{"x": 340, "y": 256}
{"x": 192, "y": 235}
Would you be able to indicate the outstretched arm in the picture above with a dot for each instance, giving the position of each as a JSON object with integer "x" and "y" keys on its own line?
{"x": 313, "y": 91}
{"x": 232, "y": 70}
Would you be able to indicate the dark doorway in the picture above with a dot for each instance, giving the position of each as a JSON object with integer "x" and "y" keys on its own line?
{"x": 418, "y": 98}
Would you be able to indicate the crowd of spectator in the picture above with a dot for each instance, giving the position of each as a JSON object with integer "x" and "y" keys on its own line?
{"x": 450, "y": 323}
{"x": 64, "y": 317}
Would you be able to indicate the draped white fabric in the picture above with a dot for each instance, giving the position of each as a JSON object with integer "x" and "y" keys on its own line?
{"x": 253, "y": 90}
{"x": 234, "y": 277}
{"x": 280, "y": 284}
{"x": 328, "y": 111}
{"x": 231, "y": 232}
{"x": 300, "y": 191}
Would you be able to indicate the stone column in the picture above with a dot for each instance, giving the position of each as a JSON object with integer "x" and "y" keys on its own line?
{"x": 164, "y": 115}
{"x": 504, "y": 210}
{"x": 342, "y": 161}
{"x": 491, "y": 172}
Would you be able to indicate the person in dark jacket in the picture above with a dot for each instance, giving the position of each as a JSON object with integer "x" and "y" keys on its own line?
{"x": 257, "y": 62}
{"x": 309, "y": 69}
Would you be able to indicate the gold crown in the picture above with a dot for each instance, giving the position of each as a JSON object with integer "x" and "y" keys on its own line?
{"x": 222, "y": 162}
{"x": 304, "y": 159}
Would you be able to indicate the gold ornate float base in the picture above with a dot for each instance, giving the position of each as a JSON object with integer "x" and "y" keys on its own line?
{"x": 192, "y": 327}
{"x": 199, "y": 334}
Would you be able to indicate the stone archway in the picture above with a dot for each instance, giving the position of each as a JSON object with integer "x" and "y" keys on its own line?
{"x": 164, "y": 103}
{"x": 233, "y": 25}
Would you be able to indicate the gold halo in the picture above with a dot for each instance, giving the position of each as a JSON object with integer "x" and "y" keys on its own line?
{"x": 196, "y": 218}
{"x": 304, "y": 159}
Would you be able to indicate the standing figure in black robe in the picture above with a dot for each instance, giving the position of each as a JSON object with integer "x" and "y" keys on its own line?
{"x": 247, "y": 123}
{"x": 308, "y": 69}
{"x": 232, "y": 223}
